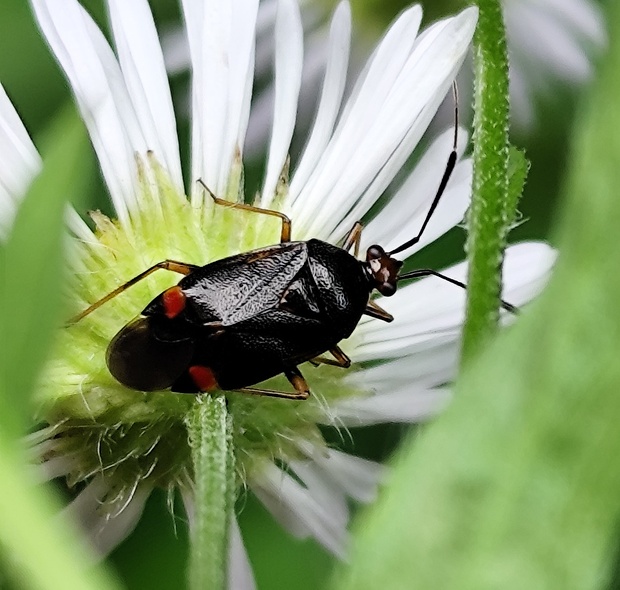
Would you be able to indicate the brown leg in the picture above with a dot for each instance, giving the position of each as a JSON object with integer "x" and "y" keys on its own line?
{"x": 172, "y": 265}
{"x": 374, "y": 311}
{"x": 285, "y": 234}
{"x": 341, "y": 359}
{"x": 302, "y": 391}
{"x": 353, "y": 239}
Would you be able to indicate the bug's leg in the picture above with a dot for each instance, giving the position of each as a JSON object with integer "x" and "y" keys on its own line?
{"x": 374, "y": 311}
{"x": 172, "y": 265}
{"x": 285, "y": 233}
{"x": 302, "y": 391}
{"x": 353, "y": 239}
{"x": 340, "y": 359}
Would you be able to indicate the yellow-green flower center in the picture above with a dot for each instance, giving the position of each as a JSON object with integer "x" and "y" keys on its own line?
{"x": 109, "y": 429}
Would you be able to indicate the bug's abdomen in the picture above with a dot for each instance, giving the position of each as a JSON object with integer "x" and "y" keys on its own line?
{"x": 257, "y": 349}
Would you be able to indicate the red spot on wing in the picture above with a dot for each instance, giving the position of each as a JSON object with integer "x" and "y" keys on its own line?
{"x": 203, "y": 377}
{"x": 174, "y": 301}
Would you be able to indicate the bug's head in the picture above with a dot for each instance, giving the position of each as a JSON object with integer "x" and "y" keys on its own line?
{"x": 382, "y": 269}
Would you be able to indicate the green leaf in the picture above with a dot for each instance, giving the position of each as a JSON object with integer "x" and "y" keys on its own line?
{"x": 517, "y": 485}
{"x": 34, "y": 267}
{"x": 518, "y": 168}
{"x": 38, "y": 552}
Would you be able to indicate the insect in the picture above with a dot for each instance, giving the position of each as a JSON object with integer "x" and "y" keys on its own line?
{"x": 238, "y": 321}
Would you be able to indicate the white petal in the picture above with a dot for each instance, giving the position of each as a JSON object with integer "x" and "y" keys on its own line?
{"x": 567, "y": 30}
{"x": 357, "y": 477}
{"x": 241, "y": 78}
{"x": 260, "y": 123}
{"x": 351, "y": 162}
{"x": 402, "y": 217}
{"x": 80, "y": 229}
{"x": 19, "y": 161}
{"x": 268, "y": 10}
{"x": 175, "y": 48}
{"x": 144, "y": 72}
{"x": 209, "y": 33}
{"x": 112, "y": 531}
{"x": 288, "y": 69}
{"x": 556, "y": 48}
{"x": 388, "y": 172}
{"x": 435, "y": 363}
{"x": 323, "y": 491}
{"x": 367, "y": 97}
{"x": 240, "y": 576}
{"x": 382, "y": 70}
{"x": 432, "y": 309}
{"x": 315, "y": 54}
{"x": 19, "y": 164}
{"x": 400, "y": 405}
{"x": 187, "y": 496}
{"x": 527, "y": 268}
{"x": 331, "y": 96}
{"x": 521, "y": 107}
{"x": 222, "y": 75}
{"x": 297, "y": 510}
{"x": 261, "y": 113}
{"x": 58, "y": 466}
{"x": 103, "y": 530}
{"x": 584, "y": 17}
{"x": 101, "y": 94}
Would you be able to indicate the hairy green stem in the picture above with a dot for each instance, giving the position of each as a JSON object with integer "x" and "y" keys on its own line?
{"x": 209, "y": 427}
{"x": 489, "y": 216}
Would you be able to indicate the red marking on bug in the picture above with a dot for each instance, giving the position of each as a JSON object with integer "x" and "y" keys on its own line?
{"x": 174, "y": 301}
{"x": 203, "y": 377}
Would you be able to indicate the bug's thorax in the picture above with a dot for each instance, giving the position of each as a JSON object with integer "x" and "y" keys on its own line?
{"x": 382, "y": 270}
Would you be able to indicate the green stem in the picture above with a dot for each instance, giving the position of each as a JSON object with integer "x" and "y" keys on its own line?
{"x": 210, "y": 436}
{"x": 489, "y": 217}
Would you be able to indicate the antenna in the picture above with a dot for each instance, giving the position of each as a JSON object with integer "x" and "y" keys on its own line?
{"x": 425, "y": 272}
{"x": 444, "y": 180}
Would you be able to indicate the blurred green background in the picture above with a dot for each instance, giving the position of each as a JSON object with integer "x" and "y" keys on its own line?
{"x": 154, "y": 556}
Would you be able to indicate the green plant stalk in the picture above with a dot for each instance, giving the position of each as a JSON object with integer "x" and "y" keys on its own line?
{"x": 209, "y": 427}
{"x": 489, "y": 218}
{"x": 517, "y": 485}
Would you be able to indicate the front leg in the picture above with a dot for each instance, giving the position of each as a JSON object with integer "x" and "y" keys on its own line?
{"x": 374, "y": 311}
{"x": 182, "y": 268}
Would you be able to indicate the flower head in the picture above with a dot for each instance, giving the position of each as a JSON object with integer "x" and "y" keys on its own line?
{"x": 122, "y": 443}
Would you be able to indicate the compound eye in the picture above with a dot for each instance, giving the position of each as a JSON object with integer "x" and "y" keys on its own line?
{"x": 374, "y": 252}
{"x": 387, "y": 289}
{"x": 139, "y": 360}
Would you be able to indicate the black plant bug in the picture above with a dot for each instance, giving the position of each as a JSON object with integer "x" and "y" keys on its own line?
{"x": 241, "y": 320}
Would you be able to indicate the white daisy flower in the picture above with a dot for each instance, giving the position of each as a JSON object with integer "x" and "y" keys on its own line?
{"x": 120, "y": 443}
